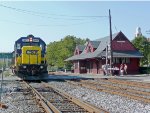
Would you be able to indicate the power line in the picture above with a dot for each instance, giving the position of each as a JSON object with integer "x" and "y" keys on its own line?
{"x": 46, "y": 25}
{"x": 40, "y": 14}
{"x": 116, "y": 28}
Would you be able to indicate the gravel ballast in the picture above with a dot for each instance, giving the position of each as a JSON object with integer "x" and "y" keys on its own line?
{"x": 111, "y": 103}
{"x": 18, "y": 99}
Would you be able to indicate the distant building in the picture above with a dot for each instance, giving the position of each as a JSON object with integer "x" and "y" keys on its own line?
{"x": 148, "y": 39}
{"x": 138, "y": 32}
{"x": 6, "y": 57}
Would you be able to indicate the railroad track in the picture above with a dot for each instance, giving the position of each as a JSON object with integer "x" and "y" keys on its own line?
{"x": 55, "y": 100}
{"x": 16, "y": 98}
{"x": 128, "y": 83}
{"x": 116, "y": 87}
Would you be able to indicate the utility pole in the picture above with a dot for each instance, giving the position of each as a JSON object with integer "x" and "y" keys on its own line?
{"x": 106, "y": 60}
{"x": 111, "y": 51}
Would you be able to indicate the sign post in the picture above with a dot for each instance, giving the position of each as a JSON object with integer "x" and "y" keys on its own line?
{"x": 2, "y": 81}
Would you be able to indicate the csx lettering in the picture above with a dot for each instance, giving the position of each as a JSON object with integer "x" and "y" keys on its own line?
{"x": 32, "y": 52}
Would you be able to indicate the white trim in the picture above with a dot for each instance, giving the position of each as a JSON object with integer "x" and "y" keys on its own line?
{"x": 121, "y": 41}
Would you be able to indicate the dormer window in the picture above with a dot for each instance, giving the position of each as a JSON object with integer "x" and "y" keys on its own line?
{"x": 89, "y": 49}
{"x": 76, "y": 52}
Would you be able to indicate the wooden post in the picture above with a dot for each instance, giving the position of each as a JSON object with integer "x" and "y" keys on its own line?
{"x": 111, "y": 51}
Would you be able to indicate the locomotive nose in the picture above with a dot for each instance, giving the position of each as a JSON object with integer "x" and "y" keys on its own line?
{"x": 31, "y": 55}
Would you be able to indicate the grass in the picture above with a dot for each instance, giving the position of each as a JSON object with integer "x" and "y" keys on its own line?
{"x": 6, "y": 73}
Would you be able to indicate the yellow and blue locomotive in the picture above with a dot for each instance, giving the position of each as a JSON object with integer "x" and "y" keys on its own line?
{"x": 29, "y": 55}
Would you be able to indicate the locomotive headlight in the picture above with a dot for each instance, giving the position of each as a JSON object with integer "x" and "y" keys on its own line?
{"x": 30, "y": 39}
{"x": 41, "y": 67}
{"x": 24, "y": 67}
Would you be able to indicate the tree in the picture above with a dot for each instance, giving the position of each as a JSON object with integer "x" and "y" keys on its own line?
{"x": 142, "y": 44}
{"x": 58, "y": 51}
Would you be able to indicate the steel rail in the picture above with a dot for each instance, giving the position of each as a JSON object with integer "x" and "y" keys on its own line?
{"x": 48, "y": 107}
{"x": 90, "y": 108}
{"x": 111, "y": 92}
{"x": 117, "y": 87}
{"x": 128, "y": 83}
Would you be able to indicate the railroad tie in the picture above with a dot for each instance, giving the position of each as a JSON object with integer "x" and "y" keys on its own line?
{"x": 2, "y": 105}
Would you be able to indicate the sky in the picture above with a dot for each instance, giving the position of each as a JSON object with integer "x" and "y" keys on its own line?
{"x": 53, "y": 20}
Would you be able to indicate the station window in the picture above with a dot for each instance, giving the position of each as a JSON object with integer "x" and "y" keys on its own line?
{"x": 121, "y": 60}
{"x": 127, "y": 60}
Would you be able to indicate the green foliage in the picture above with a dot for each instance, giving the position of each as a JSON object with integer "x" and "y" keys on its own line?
{"x": 144, "y": 70}
{"x": 2, "y": 64}
{"x": 6, "y": 73}
{"x": 143, "y": 46}
{"x": 58, "y": 51}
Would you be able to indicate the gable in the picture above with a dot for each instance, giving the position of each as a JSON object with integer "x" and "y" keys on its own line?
{"x": 120, "y": 42}
{"x": 76, "y": 51}
{"x": 79, "y": 49}
{"x": 89, "y": 47}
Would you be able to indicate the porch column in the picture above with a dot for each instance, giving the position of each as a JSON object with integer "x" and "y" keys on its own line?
{"x": 78, "y": 66}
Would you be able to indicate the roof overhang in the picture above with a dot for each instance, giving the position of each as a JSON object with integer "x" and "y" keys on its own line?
{"x": 116, "y": 54}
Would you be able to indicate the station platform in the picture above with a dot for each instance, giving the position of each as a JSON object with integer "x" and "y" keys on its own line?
{"x": 70, "y": 76}
{"x": 138, "y": 77}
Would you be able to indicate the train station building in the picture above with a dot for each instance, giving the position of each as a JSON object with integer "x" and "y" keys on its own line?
{"x": 90, "y": 57}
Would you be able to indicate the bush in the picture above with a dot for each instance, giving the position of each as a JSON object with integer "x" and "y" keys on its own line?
{"x": 144, "y": 70}
{"x": 6, "y": 73}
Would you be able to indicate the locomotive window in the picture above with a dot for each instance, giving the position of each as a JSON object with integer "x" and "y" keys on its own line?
{"x": 35, "y": 44}
{"x": 26, "y": 44}
{"x": 41, "y": 46}
{"x": 18, "y": 46}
